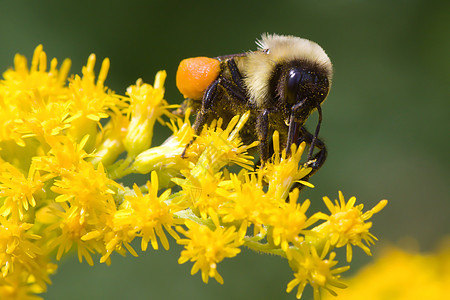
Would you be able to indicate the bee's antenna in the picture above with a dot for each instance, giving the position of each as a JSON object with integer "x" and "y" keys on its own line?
{"x": 316, "y": 134}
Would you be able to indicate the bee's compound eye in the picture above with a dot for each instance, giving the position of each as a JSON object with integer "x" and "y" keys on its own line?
{"x": 291, "y": 88}
{"x": 194, "y": 75}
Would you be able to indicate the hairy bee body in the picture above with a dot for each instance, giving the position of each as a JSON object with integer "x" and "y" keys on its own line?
{"x": 281, "y": 83}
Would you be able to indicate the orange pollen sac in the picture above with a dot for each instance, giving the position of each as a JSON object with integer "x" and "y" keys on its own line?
{"x": 195, "y": 74}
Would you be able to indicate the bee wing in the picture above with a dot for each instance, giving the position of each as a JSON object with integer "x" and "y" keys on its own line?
{"x": 226, "y": 57}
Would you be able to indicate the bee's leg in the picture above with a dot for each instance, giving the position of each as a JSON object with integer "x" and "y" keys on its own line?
{"x": 234, "y": 91}
{"x": 234, "y": 85}
{"x": 262, "y": 130}
{"x": 235, "y": 74}
{"x": 318, "y": 159}
{"x": 209, "y": 98}
{"x": 316, "y": 133}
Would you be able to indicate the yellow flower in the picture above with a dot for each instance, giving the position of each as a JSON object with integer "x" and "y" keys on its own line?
{"x": 217, "y": 147}
{"x": 90, "y": 102}
{"x": 78, "y": 189}
{"x": 283, "y": 171}
{"x": 142, "y": 215}
{"x": 311, "y": 268}
{"x": 248, "y": 203}
{"x": 199, "y": 192}
{"x": 347, "y": 224}
{"x": 23, "y": 283}
{"x": 33, "y": 104}
{"x": 166, "y": 159}
{"x": 17, "y": 190}
{"x": 17, "y": 245}
{"x": 289, "y": 222}
{"x": 110, "y": 142}
{"x": 206, "y": 248}
{"x": 86, "y": 206}
{"x": 64, "y": 156}
{"x": 63, "y": 146}
{"x": 147, "y": 106}
{"x": 402, "y": 275}
{"x": 70, "y": 228}
{"x": 252, "y": 202}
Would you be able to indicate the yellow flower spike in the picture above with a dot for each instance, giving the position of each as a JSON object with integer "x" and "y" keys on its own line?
{"x": 206, "y": 248}
{"x": 199, "y": 191}
{"x": 88, "y": 71}
{"x": 147, "y": 215}
{"x": 103, "y": 72}
{"x": 92, "y": 196}
{"x": 55, "y": 194}
{"x": 17, "y": 246}
{"x": 147, "y": 106}
{"x": 248, "y": 203}
{"x": 166, "y": 159}
{"x": 53, "y": 65}
{"x": 33, "y": 102}
{"x": 87, "y": 205}
{"x": 289, "y": 222}
{"x": 18, "y": 191}
{"x": 42, "y": 62}
{"x": 117, "y": 241}
{"x": 36, "y": 58}
{"x": 377, "y": 208}
{"x": 20, "y": 66}
{"x": 236, "y": 125}
{"x": 219, "y": 147}
{"x": 400, "y": 274}
{"x": 276, "y": 146}
{"x": 281, "y": 172}
{"x": 160, "y": 78}
{"x": 315, "y": 270}
{"x": 110, "y": 143}
{"x": 91, "y": 102}
{"x": 346, "y": 225}
{"x": 24, "y": 283}
{"x": 64, "y": 156}
{"x": 64, "y": 70}
{"x": 70, "y": 229}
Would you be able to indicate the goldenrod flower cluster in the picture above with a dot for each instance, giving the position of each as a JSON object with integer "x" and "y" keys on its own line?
{"x": 65, "y": 143}
{"x": 402, "y": 275}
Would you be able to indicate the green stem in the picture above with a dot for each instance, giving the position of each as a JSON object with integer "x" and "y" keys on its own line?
{"x": 263, "y": 248}
{"x": 121, "y": 168}
{"x": 188, "y": 214}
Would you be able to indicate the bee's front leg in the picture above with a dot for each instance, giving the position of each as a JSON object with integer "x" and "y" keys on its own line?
{"x": 317, "y": 161}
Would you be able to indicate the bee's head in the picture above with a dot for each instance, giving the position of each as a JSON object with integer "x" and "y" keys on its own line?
{"x": 300, "y": 78}
{"x": 303, "y": 87}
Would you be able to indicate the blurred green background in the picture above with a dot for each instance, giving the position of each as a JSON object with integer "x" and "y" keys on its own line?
{"x": 386, "y": 120}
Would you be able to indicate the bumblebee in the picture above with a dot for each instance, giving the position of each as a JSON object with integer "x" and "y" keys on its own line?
{"x": 281, "y": 83}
